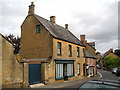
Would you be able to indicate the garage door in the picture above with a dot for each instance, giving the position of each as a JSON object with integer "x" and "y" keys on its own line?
{"x": 34, "y": 73}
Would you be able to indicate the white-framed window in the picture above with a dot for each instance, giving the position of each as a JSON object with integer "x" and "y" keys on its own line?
{"x": 78, "y": 67}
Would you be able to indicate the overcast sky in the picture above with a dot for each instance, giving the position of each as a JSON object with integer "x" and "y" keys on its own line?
{"x": 97, "y": 19}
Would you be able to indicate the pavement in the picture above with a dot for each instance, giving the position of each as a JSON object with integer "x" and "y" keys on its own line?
{"x": 67, "y": 84}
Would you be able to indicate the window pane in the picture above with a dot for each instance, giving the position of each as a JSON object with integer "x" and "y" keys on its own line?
{"x": 88, "y": 60}
{"x": 72, "y": 69}
{"x": 59, "y": 48}
{"x": 59, "y": 70}
{"x": 70, "y": 50}
{"x": 78, "y": 69}
{"x": 56, "y": 70}
{"x": 69, "y": 69}
{"x": 37, "y": 28}
{"x": 83, "y": 53}
{"x": 78, "y": 51}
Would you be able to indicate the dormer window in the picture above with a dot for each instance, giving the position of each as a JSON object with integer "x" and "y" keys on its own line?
{"x": 37, "y": 29}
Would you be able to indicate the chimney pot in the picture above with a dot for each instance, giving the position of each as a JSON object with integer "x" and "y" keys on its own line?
{"x": 66, "y": 26}
{"x": 53, "y": 19}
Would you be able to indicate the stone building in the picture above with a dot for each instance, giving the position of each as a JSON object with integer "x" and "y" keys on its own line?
{"x": 11, "y": 69}
{"x": 51, "y": 52}
{"x": 90, "y": 57}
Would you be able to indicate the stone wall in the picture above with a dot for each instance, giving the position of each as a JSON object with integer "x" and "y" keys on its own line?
{"x": 35, "y": 46}
{"x": 65, "y": 55}
{"x": 11, "y": 68}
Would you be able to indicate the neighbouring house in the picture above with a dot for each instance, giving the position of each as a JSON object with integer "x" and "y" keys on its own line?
{"x": 108, "y": 53}
{"x": 90, "y": 57}
{"x": 99, "y": 57}
{"x": 51, "y": 52}
{"x": 11, "y": 70}
{"x": 99, "y": 60}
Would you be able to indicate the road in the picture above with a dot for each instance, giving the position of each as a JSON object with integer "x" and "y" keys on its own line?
{"x": 73, "y": 85}
{"x": 67, "y": 84}
{"x": 108, "y": 75}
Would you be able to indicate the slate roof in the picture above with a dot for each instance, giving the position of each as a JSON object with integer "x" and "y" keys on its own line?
{"x": 89, "y": 55}
{"x": 91, "y": 46}
{"x": 58, "y": 31}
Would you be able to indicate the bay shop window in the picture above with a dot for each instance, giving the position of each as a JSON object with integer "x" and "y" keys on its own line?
{"x": 63, "y": 69}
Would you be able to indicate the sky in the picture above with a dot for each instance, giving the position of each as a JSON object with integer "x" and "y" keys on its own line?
{"x": 97, "y": 19}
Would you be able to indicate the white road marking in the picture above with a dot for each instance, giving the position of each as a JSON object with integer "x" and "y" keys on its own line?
{"x": 99, "y": 74}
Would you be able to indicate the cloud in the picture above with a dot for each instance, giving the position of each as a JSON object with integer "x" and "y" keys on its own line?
{"x": 101, "y": 28}
{"x": 12, "y": 16}
{"x": 97, "y": 18}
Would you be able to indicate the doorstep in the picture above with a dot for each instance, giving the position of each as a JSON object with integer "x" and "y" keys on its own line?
{"x": 36, "y": 85}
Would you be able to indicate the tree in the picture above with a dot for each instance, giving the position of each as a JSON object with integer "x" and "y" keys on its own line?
{"x": 15, "y": 41}
{"x": 111, "y": 62}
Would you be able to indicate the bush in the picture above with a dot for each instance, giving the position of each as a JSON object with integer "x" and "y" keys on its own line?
{"x": 111, "y": 62}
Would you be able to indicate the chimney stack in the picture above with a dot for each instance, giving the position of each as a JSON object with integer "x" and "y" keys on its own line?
{"x": 53, "y": 19}
{"x": 66, "y": 26}
{"x": 82, "y": 38}
{"x": 111, "y": 50}
{"x": 31, "y": 9}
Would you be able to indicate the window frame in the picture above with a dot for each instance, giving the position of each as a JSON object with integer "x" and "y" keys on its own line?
{"x": 60, "y": 70}
{"x": 38, "y": 29}
{"x": 88, "y": 61}
{"x": 70, "y": 50}
{"x": 78, "y": 51}
{"x": 78, "y": 68}
{"x": 59, "y": 48}
{"x": 83, "y": 52}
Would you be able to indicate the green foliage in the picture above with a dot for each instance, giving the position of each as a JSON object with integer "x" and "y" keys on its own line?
{"x": 111, "y": 62}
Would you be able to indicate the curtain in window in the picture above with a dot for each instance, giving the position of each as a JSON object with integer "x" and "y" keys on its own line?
{"x": 59, "y": 70}
{"x": 69, "y": 69}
